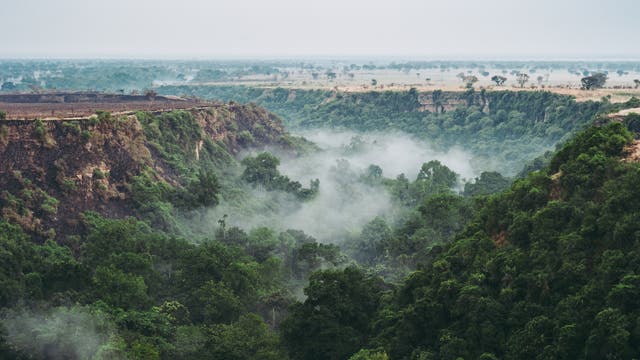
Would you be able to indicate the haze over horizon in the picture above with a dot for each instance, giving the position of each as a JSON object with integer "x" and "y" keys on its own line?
{"x": 199, "y": 29}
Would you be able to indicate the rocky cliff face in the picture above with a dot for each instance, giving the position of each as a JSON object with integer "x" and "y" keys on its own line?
{"x": 52, "y": 171}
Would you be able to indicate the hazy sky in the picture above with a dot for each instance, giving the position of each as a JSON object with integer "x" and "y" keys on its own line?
{"x": 280, "y": 28}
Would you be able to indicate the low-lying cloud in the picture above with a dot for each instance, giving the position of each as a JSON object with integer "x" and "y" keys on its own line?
{"x": 58, "y": 333}
{"x": 345, "y": 202}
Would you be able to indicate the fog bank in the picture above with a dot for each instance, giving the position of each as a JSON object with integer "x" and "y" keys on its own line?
{"x": 346, "y": 200}
{"x": 58, "y": 333}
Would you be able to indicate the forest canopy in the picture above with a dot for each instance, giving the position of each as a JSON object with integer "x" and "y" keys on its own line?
{"x": 210, "y": 260}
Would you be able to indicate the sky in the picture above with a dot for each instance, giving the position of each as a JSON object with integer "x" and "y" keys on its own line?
{"x": 425, "y": 29}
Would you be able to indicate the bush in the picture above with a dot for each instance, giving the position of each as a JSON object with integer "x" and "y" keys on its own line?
{"x": 40, "y": 130}
{"x": 68, "y": 185}
{"x": 98, "y": 174}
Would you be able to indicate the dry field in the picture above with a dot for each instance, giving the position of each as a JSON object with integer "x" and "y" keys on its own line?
{"x": 54, "y": 110}
{"x": 620, "y": 88}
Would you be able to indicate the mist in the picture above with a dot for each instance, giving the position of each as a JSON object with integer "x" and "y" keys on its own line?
{"x": 396, "y": 153}
{"x": 346, "y": 201}
{"x": 59, "y": 333}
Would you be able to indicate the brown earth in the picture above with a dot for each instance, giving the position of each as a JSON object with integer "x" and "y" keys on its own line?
{"x": 59, "y": 105}
{"x": 616, "y": 94}
{"x": 625, "y": 112}
{"x": 632, "y": 152}
{"x": 52, "y": 171}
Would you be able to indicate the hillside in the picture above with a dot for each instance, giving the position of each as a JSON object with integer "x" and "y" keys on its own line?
{"x": 335, "y": 180}
{"x": 546, "y": 270}
{"x": 52, "y": 105}
{"x": 189, "y": 233}
{"x": 51, "y": 171}
{"x": 96, "y": 220}
{"x": 503, "y": 129}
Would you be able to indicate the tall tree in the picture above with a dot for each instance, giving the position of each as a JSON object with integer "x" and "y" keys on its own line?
{"x": 499, "y": 80}
{"x": 470, "y": 80}
{"x": 594, "y": 81}
{"x": 334, "y": 321}
{"x": 522, "y": 79}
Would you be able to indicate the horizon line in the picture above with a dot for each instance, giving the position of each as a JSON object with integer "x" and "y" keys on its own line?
{"x": 329, "y": 57}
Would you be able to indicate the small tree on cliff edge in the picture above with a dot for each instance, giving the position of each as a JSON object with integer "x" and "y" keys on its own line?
{"x": 150, "y": 94}
{"x": 522, "y": 79}
{"x": 594, "y": 81}
{"x": 499, "y": 80}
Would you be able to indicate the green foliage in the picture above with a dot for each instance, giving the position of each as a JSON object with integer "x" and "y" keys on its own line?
{"x": 61, "y": 332}
{"x": 373, "y": 239}
{"x": 608, "y": 141}
{"x": 594, "y": 81}
{"x": 204, "y": 191}
{"x": 40, "y": 129}
{"x": 248, "y": 338}
{"x": 143, "y": 350}
{"x": 528, "y": 277}
{"x": 302, "y": 254}
{"x": 216, "y": 303}
{"x": 73, "y": 126}
{"x": 334, "y": 320}
{"x": 434, "y": 178}
{"x": 34, "y": 271}
{"x": 366, "y": 354}
{"x": 166, "y": 297}
{"x": 262, "y": 170}
{"x": 152, "y": 198}
{"x": 546, "y": 269}
{"x": 68, "y": 185}
{"x": 174, "y": 135}
{"x": 489, "y": 182}
{"x": 512, "y": 128}
{"x": 119, "y": 289}
{"x": 98, "y": 174}
{"x": 436, "y": 222}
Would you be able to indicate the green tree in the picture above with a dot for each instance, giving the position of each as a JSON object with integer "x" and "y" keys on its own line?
{"x": 261, "y": 169}
{"x": 469, "y": 81}
{"x": 366, "y": 354}
{"x": 204, "y": 191}
{"x": 334, "y": 321}
{"x": 213, "y": 302}
{"x": 373, "y": 239}
{"x": 522, "y": 79}
{"x": 248, "y": 338}
{"x": 609, "y": 338}
{"x": 499, "y": 80}
{"x": 594, "y": 81}
{"x": 434, "y": 177}
{"x": 120, "y": 289}
{"x": 489, "y": 182}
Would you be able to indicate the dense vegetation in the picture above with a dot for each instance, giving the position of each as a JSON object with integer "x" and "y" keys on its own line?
{"x": 263, "y": 170}
{"x": 546, "y": 270}
{"x": 137, "y": 75}
{"x": 546, "y": 267}
{"x": 503, "y": 129}
{"x": 145, "y": 287}
{"x": 157, "y": 295}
